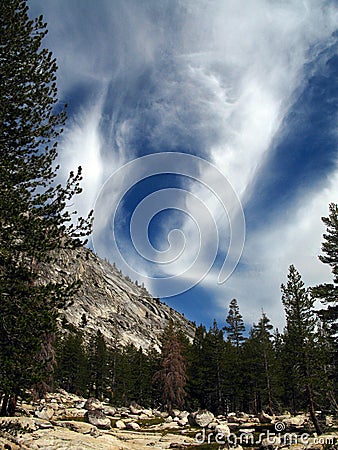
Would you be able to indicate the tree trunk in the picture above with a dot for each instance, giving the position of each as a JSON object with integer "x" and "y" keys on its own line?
{"x": 312, "y": 409}
{"x": 12, "y": 405}
{"x": 5, "y": 399}
{"x": 268, "y": 383}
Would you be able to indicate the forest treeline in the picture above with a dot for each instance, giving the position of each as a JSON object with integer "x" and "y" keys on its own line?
{"x": 223, "y": 369}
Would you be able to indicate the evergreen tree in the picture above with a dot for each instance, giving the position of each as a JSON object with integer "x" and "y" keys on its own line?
{"x": 197, "y": 367}
{"x": 172, "y": 375}
{"x": 214, "y": 370}
{"x": 261, "y": 365}
{"x": 98, "y": 366}
{"x": 72, "y": 364}
{"x": 300, "y": 345}
{"x": 328, "y": 294}
{"x": 235, "y": 327}
{"x": 34, "y": 219}
{"x": 128, "y": 375}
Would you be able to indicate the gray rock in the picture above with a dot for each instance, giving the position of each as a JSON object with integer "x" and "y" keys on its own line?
{"x": 201, "y": 418}
{"x": 265, "y": 418}
{"x": 79, "y": 427}
{"x": 97, "y": 418}
{"x": 80, "y": 404}
{"x": 109, "y": 410}
{"x": 133, "y": 426}
{"x": 111, "y": 302}
{"x": 135, "y": 408}
{"x": 43, "y": 424}
{"x": 223, "y": 429}
{"x": 120, "y": 425}
{"x": 46, "y": 413}
{"x": 296, "y": 422}
{"x": 92, "y": 404}
{"x": 183, "y": 422}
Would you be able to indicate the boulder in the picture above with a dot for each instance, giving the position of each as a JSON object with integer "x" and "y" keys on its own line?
{"x": 133, "y": 426}
{"x": 296, "y": 421}
{"x": 79, "y": 404}
{"x": 265, "y": 418}
{"x": 223, "y": 429}
{"x": 79, "y": 427}
{"x": 46, "y": 413}
{"x": 183, "y": 422}
{"x": 97, "y": 418}
{"x": 120, "y": 424}
{"x": 201, "y": 418}
{"x": 169, "y": 425}
{"x": 147, "y": 412}
{"x": 43, "y": 424}
{"x": 109, "y": 410}
{"x": 92, "y": 404}
{"x": 135, "y": 408}
{"x": 242, "y": 415}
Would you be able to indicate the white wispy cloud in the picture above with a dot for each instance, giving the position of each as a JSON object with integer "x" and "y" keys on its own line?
{"x": 214, "y": 78}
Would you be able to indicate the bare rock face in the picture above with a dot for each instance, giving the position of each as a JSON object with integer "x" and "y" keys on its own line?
{"x": 108, "y": 301}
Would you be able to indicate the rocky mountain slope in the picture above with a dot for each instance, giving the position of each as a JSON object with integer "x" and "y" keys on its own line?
{"x": 108, "y": 301}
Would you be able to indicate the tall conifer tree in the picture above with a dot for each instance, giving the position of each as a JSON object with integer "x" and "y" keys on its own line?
{"x": 172, "y": 375}
{"x": 328, "y": 294}
{"x": 235, "y": 327}
{"x": 300, "y": 337}
{"x": 34, "y": 220}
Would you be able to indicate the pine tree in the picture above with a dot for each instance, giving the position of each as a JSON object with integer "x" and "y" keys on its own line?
{"x": 98, "y": 366}
{"x": 34, "y": 218}
{"x": 197, "y": 367}
{"x": 72, "y": 364}
{"x": 261, "y": 364}
{"x": 300, "y": 337}
{"x": 235, "y": 327}
{"x": 328, "y": 294}
{"x": 172, "y": 375}
{"x": 214, "y": 372}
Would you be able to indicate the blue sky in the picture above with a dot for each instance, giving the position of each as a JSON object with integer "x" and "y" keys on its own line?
{"x": 248, "y": 86}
